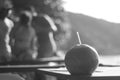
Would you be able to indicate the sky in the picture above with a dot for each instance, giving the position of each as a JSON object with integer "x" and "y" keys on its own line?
{"x": 104, "y": 9}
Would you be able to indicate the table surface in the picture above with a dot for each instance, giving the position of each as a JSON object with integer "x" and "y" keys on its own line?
{"x": 101, "y": 73}
{"x": 27, "y": 68}
{"x": 104, "y": 72}
{"x": 16, "y": 66}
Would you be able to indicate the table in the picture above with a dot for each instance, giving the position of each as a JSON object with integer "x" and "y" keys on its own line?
{"x": 60, "y": 71}
{"x": 27, "y": 66}
{"x": 101, "y": 73}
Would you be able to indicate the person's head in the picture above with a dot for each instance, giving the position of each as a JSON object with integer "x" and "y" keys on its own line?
{"x": 5, "y": 6}
{"x": 25, "y": 17}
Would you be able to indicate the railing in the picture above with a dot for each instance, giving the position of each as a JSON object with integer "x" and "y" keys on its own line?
{"x": 103, "y": 72}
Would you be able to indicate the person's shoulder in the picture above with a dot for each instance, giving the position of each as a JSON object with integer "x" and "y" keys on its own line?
{"x": 9, "y": 22}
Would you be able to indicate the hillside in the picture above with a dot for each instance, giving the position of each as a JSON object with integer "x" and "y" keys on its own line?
{"x": 102, "y": 35}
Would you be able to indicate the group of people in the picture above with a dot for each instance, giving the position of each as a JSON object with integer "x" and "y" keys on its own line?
{"x": 26, "y": 35}
{"x": 30, "y": 37}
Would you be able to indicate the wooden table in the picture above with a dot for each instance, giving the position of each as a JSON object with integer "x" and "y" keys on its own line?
{"x": 101, "y": 73}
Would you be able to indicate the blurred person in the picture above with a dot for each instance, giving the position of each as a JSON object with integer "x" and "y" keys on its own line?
{"x": 45, "y": 27}
{"x": 23, "y": 38}
{"x": 4, "y": 31}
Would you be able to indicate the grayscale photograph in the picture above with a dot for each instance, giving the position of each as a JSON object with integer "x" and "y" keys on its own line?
{"x": 59, "y": 40}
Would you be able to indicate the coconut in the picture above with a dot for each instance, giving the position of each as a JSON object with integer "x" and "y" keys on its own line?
{"x": 82, "y": 59}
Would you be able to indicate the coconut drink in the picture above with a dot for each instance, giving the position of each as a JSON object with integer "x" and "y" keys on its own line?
{"x": 81, "y": 59}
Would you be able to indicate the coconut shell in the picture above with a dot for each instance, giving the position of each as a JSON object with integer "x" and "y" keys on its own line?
{"x": 81, "y": 59}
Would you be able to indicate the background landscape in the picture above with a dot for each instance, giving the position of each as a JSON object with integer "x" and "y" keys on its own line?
{"x": 101, "y": 34}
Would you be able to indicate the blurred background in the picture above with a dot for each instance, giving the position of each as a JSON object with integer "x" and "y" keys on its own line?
{"x": 98, "y": 22}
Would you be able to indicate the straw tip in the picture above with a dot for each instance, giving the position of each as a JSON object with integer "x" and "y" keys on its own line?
{"x": 78, "y": 37}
